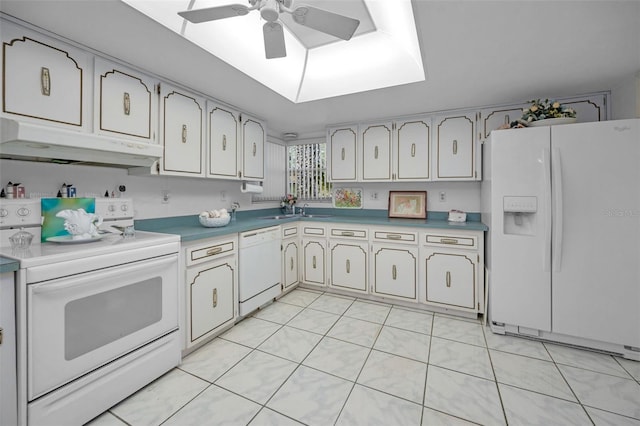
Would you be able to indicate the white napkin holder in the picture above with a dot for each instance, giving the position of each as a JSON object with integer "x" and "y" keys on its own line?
{"x": 457, "y": 216}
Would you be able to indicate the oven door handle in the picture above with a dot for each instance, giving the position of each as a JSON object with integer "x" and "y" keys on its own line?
{"x": 81, "y": 280}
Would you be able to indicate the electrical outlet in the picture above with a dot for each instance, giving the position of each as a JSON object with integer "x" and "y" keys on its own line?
{"x": 443, "y": 196}
{"x": 223, "y": 195}
{"x": 165, "y": 196}
{"x": 374, "y": 195}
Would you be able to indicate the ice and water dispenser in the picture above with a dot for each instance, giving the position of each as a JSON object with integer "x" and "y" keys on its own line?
{"x": 520, "y": 215}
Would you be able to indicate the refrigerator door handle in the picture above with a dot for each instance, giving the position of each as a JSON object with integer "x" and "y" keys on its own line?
{"x": 546, "y": 169}
{"x": 557, "y": 210}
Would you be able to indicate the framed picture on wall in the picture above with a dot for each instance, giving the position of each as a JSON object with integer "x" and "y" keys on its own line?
{"x": 408, "y": 204}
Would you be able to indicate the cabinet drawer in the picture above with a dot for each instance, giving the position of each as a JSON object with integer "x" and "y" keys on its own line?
{"x": 289, "y": 231}
{"x": 458, "y": 241}
{"x": 209, "y": 252}
{"x": 313, "y": 230}
{"x": 349, "y": 233}
{"x": 398, "y": 237}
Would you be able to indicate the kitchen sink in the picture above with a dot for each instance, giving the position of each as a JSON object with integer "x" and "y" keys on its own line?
{"x": 279, "y": 217}
{"x": 290, "y": 216}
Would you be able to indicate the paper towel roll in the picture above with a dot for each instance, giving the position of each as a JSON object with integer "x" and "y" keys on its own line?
{"x": 251, "y": 188}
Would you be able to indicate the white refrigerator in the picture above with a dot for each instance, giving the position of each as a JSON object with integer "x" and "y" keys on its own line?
{"x": 563, "y": 249}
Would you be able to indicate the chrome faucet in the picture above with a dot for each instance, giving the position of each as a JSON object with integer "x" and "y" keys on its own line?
{"x": 304, "y": 209}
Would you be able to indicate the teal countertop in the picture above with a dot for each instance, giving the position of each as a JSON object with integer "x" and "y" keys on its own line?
{"x": 8, "y": 265}
{"x": 189, "y": 228}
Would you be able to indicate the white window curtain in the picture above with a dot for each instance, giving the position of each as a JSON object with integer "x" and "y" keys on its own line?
{"x": 275, "y": 172}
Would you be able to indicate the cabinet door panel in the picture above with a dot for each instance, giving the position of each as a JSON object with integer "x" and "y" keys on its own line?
{"x": 223, "y": 142}
{"x": 42, "y": 79}
{"x": 396, "y": 272}
{"x": 451, "y": 279}
{"x": 290, "y": 263}
{"x": 182, "y": 133}
{"x": 253, "y": 138}
{"x": 375, "y": 147}
{"x": 413, "y": 150}
{"x": 211, "y": 298}
{"x": 455, "y": 148}
{"x": 349, "y": 266}
{"x": 313, "y": 262}
{"x": 342, "y": 146}
{"x": 590, "y": 109}
{"x": 492, "y": 119}
{"x": 124, "y": 101}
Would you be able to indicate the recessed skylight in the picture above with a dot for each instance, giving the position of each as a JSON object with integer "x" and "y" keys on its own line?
{"x": 383, "y": 52}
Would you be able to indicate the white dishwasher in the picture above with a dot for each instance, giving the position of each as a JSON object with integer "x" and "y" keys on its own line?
{"x": 260, "y": 275}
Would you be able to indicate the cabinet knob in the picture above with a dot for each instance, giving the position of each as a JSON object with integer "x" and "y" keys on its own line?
{"x": 184, "y": 133}
{"x": 224, "y": 142}
{"x": 394, "y": 272}
{"x": 455, "y": 146}
{"x": 413, "y": 149}
{"x": 348, "y": 265}
{"x": 215, "y": 297}
{"x": 448, "y": 279}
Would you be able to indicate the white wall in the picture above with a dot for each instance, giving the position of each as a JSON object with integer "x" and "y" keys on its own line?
{"x": 189, "y": 196}
{"x": 625, "y": 97}
{"x": 186, "y": 195}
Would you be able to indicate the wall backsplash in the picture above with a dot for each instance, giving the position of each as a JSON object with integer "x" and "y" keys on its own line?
{"x": 190, "y": 196}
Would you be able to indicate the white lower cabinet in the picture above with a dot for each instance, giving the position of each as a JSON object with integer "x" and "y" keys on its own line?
{"x": 290, "y": 253}
{"x": 211, "y": 288}
{"x": 314, "y": 255}
{"x": 395, "y": 272}
{"x": 450, "y": 278}
{"x": 452, "y": 270}
{"x": 348, "y": 266}
{"x": 348, "y": 258}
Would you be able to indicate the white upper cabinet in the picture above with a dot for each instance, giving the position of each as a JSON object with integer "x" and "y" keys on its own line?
{"x": 223, "y": 147}
{"x": 44, "y": 80}
{"x": 254, "y": 136}
{"x": 125, "y": 102}
{"x": 413, "y": 149}
{"x": 455, "y": 147}
{"x": 588, "y": 108}
{"x": 376, "y": 150}
{"x": 181, "y": 132}
{"x": 342, "y": 145}
{"x": 235, "y": 144}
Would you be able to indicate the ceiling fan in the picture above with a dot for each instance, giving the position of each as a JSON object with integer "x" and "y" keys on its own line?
{"x": 321, "y": 20}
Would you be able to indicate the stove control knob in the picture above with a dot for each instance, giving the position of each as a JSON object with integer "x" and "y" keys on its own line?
{"x": 23, "y": 211}
{"x": 4, "y": 213}
{"x": 112, "y": 208}
{"x": 124, "y": 207}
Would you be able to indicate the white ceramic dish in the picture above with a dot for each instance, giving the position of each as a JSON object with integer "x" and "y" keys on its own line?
{"x": 68, "y": 239}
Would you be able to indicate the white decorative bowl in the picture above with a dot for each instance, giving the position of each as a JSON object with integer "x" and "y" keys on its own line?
{"x": 214, "y": 222}
{"x": 552, "y": 121}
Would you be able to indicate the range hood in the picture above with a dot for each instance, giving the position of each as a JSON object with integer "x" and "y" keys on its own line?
{"x": 28, "y": 141}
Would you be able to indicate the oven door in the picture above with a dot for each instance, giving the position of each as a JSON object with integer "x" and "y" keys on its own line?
{"x": 78, "y": 323}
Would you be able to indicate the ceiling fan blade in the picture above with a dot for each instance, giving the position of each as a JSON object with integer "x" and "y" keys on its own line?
{"x": 328, "y": 22}
{"x": 274, "y": 46}
{"x": 213, "y": 13}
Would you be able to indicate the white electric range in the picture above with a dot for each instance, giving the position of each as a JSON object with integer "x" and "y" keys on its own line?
{"x": 93, "y": 318}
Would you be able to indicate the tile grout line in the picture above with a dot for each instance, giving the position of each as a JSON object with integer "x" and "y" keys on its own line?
{"x": 355, "y": 381}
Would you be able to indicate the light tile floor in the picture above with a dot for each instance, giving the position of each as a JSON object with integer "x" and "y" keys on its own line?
{"x": 320, "y": 359}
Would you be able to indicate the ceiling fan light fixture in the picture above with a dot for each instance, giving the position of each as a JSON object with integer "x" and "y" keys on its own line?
{"x": 270, "y": 10}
